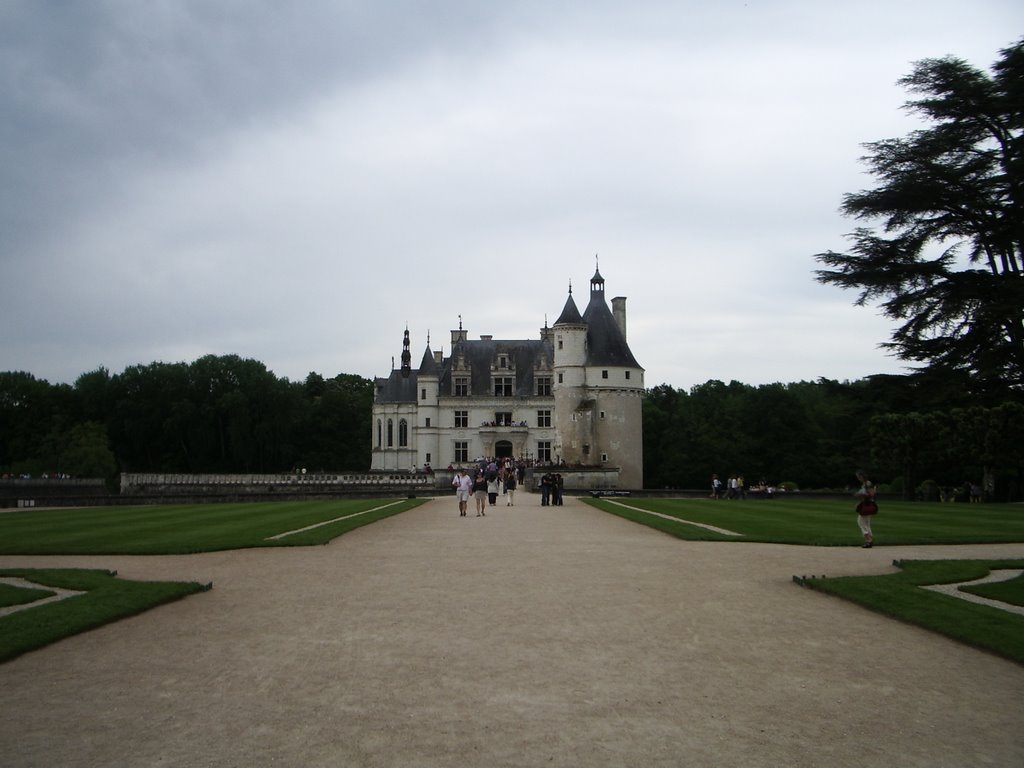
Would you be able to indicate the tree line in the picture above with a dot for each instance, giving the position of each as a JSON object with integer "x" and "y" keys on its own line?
{"x": 924, "y": 436}
{"x": 216, "y": 414}
{"x": 231, "y": 415}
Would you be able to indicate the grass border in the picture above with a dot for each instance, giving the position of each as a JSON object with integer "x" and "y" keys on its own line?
{"x": 106, "y": 599}
{"x": 900, "y": 596}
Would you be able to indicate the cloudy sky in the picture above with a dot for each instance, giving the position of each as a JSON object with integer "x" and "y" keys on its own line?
{"x": 299, "y": 182}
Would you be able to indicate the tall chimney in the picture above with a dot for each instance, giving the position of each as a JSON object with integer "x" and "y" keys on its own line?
{"x": 619, "y": 313}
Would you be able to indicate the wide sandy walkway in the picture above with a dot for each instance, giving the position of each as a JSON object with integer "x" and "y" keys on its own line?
{"x": 531, "y": 637}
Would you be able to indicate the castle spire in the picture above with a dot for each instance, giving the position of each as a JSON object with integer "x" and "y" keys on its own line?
{"x": 406, "y": 355}
{"x": 596, "y": 283}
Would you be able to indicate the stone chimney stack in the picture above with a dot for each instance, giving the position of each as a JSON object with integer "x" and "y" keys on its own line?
{"x": 619, "y": 313}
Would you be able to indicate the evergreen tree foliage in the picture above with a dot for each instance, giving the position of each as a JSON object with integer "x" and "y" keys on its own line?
{"x": 946, "y": 263}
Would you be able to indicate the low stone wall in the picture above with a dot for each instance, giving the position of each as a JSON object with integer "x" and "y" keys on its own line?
{"x": 576, "y": 478}
{"x": 162, "y": 484}
{"x": 44, "y": 492}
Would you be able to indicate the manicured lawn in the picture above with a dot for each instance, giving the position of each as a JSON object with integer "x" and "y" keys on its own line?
{"x": 901, "y": 596}
{"x": 825, "y": 522}
{"x": 105, "y": 599}
{"x": 148, "y": 530}
{"x": 183, "y": 529}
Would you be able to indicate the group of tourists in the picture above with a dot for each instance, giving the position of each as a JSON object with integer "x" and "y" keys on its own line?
{"x": 551, "y": 485}
{"x": 490, "y": 478}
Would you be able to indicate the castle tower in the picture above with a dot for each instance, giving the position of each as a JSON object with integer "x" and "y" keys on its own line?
{"x": 427, "y": 442}
{"x": 598, "y": 388}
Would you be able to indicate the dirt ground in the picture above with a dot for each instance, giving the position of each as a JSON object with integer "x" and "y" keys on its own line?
{"x": 558, "y": 636}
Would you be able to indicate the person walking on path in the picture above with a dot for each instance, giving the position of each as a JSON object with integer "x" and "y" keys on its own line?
{"x": 463, "y": 487}
{"x": 866, "y": 507}
{"x": 492, "y": 490}
{"x": 510, "y": 489}
{"x": 480, "y": 493}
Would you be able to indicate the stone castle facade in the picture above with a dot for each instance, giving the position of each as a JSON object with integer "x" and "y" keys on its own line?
{"x": 573, "y": 396}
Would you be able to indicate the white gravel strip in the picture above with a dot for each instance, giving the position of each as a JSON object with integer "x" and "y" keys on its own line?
{"x": 1004, "y": 574}
{"x": 61, "y": 594}
{"x": 716, "y": 529}
{"x": 328, "y": 522}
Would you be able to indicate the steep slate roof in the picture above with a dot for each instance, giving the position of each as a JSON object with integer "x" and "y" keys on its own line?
{"x": 605, "y": 343}
{"x": 428, "y": 367}
{"x": 480, "y": 355}
{"x": 397, "y": 388}
{"x": 570, "y": 314}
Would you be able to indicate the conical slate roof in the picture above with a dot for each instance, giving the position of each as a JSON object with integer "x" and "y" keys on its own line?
{"x": 428, "y": 367}
{"x": 605, "y": 343}
{"x": 570, "y": 314}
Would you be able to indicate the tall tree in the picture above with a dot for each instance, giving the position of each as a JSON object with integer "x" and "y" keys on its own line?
{"x": 950, "y": 202}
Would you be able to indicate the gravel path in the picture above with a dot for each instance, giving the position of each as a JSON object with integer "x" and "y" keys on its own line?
{"x": 557, "y": 636}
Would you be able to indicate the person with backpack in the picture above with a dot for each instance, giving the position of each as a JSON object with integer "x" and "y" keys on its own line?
{"x": 866, "y": 508}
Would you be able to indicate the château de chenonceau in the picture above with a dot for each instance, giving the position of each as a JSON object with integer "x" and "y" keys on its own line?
{"x": 570, "y": 398}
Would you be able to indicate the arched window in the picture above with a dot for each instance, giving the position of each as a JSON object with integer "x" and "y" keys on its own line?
{"x": 403, "y": 433}
{"x": 391, "y": 433}
{"x": 380, "y": 433}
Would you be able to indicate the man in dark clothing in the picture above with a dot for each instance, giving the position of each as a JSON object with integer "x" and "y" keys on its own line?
{"x": 545, "y": 489}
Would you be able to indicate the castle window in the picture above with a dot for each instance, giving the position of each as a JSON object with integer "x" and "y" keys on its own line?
{"x": 428, "y": 422}
{"x": 543, "y": 386}
{"x": 602, "y": 414}
{"x": 391, "y": 433}
{"x": 427, "y": 458}
{"x": 604, "y": 374}
{"x": 461, "y": 418}
{"x": 503, "y": 386}
{"x": 559, "y": 342}
{"x": 461, "y": 451}
{"x": 604, "y": 457}
{"x": 544, "y": 451}
{"x": 543, "y": 418}
{"x": 403, "y": 433}
{"x": 503, "y": 418}
{"x": 627, "y": 374}
{"x": 461, "y": 386}
{"x": 559, "y": 378}
{"x": 423, "y": 394}
{"x": 380, "y": 437}
{"x": 586, "y": 449}
{"x": 502, "y": 361}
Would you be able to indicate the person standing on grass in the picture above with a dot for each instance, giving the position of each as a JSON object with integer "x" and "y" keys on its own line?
{"x": 463, "y": 487}
{"x": 866, "y": 507}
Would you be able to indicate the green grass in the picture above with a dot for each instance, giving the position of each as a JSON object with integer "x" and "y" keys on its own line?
{"x": 106, "y": 599}
{"x": 900, "y": 596}
{"x": 826, "y": 522}
{"x": 11, "y": 595}
{"x": 184, "y": 529}
{"x": 834, "y": 523}
{"x": 148, "y": 530}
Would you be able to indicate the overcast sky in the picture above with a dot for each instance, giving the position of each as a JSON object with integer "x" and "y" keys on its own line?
{"x": 299, "y": 182}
